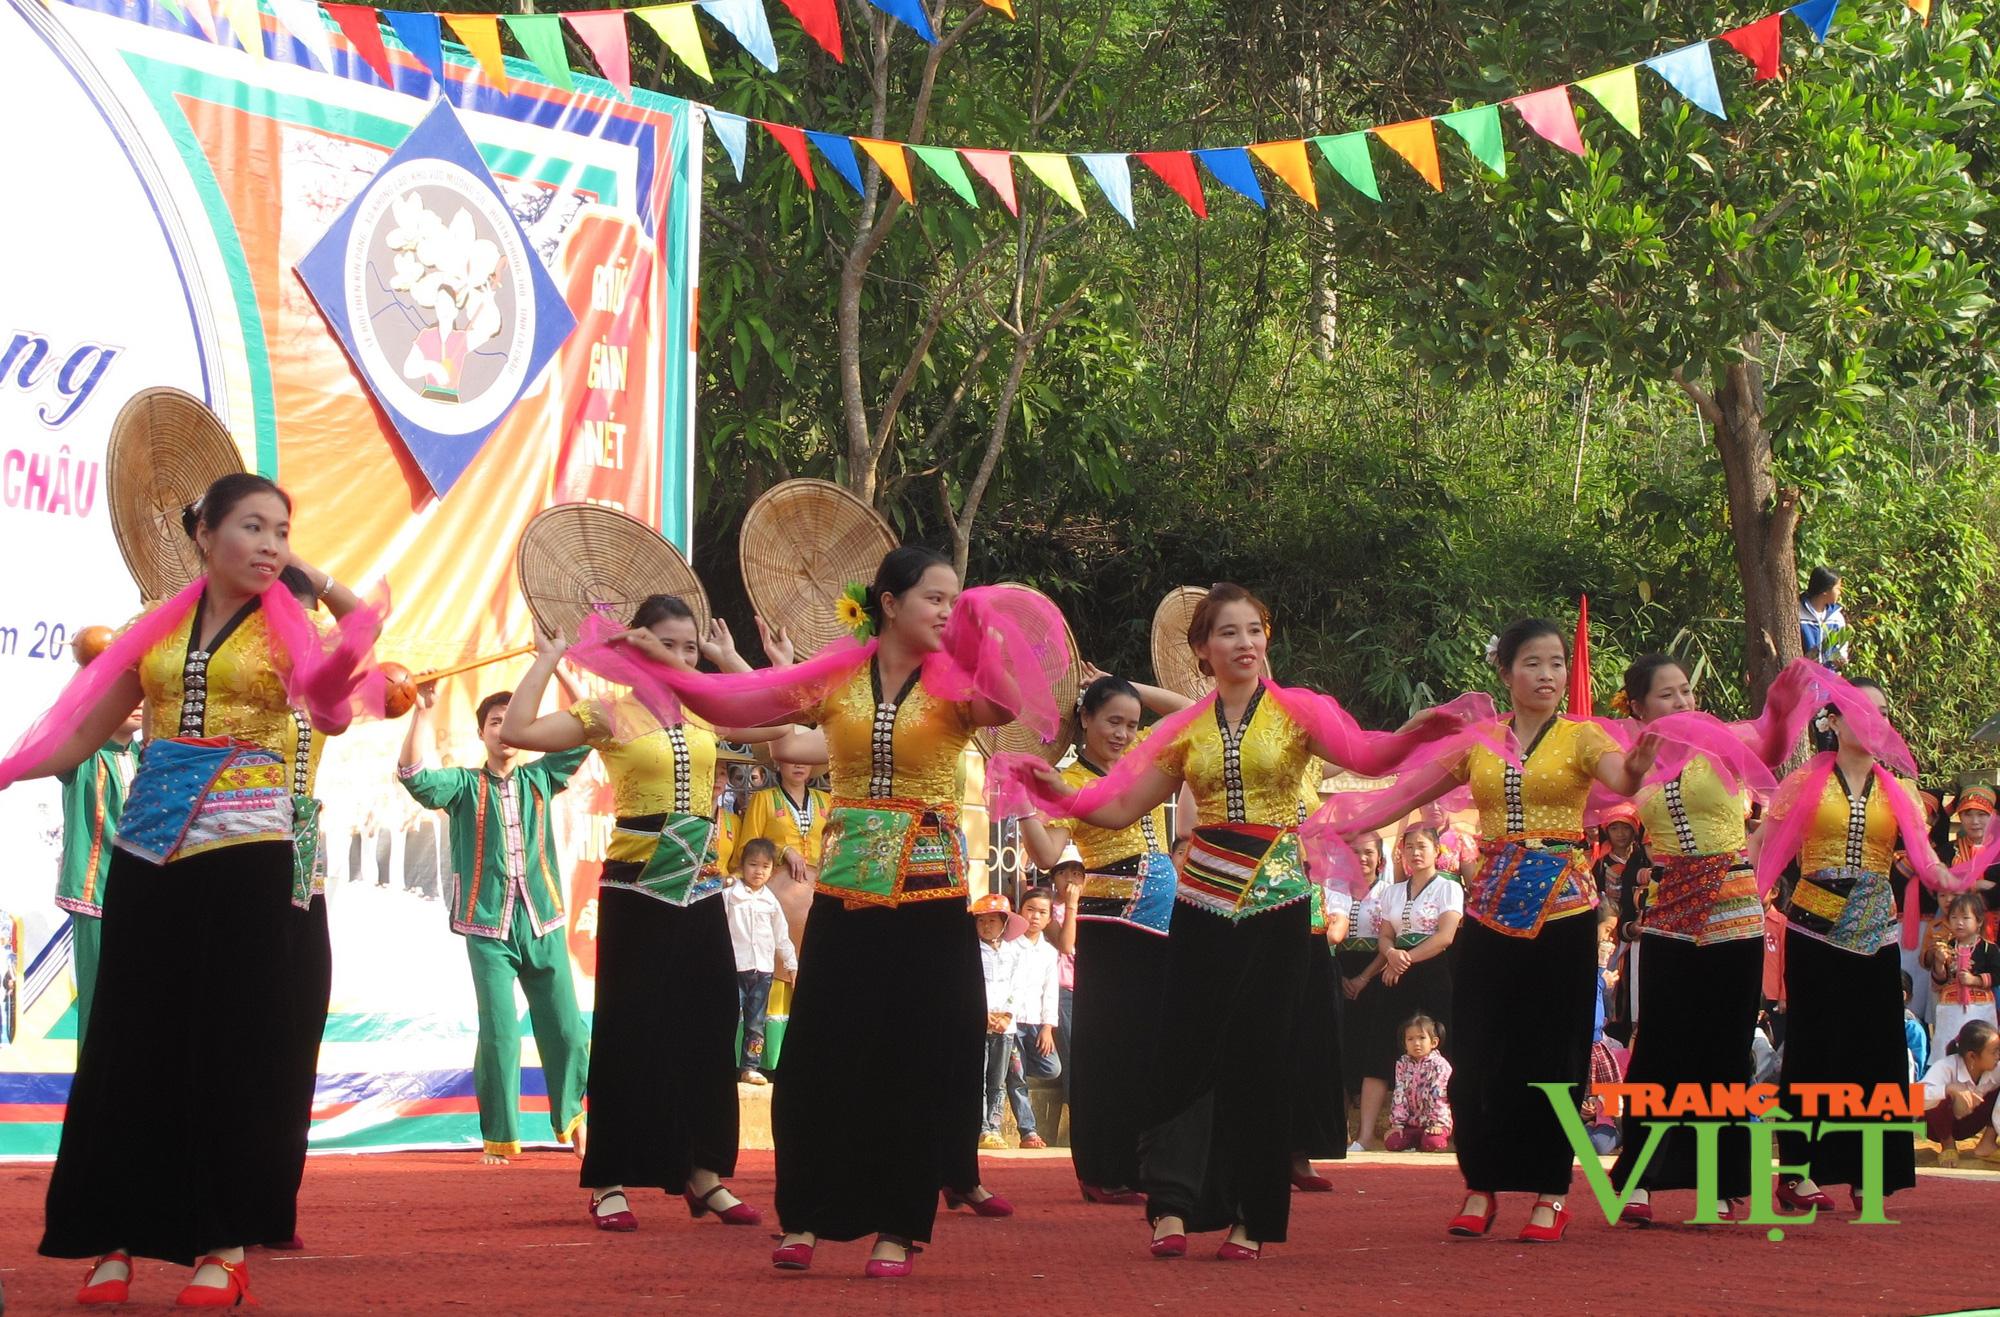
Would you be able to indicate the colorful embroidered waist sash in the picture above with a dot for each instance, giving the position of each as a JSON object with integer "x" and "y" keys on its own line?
{"x": 196, "y": 795}
{"x": 681, "y": 868}
{"x": 1703, "y": 899}
{"x": 306, "y": 880}
{"x": 1525, "y": 881}
{"x": 891, "y": 852}
{"x": 1138, "y": 891}
{"x": 1853, "y": 909}
{"x": 1241, "y": 869}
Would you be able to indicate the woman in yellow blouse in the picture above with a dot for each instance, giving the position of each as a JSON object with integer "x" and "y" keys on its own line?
{"x": 791, "y": 815}
{"x": 1214, "y": 1156}
{"x": 200, "y": 934}
{"x": 662, "y": 1081}
{"x": 889, "y": 1010}
{"x": 1525, "y": 979}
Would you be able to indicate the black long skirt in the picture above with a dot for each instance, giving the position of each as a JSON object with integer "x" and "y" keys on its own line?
{"x": 662, "y": 1084}
{"x": 1844, "y": 1026}
{"x": 1319, "y": 1100}
{"x": 1700, "y": 1009}
{"x": 181, "y": 1135}
{"x": 312, "y": 959}
{"x": 888, "y": 1019}
{"x": 1523, "y": 1013}
{"x": 1218, "y": 1152}
{"x": 1121, "y": 976}
{"x": 1358, "y": 1016}
{"x": 1424, "y": 989}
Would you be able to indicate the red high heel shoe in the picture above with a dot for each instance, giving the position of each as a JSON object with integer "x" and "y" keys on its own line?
{"x": 1169, "y": 1246}
{"x": 792, "y": 1257}
{"x": 1789, "y": 1196}
{"x": 235, "y": 1289}
{"x": 991, "y": 1205}
{"x": 107, "y": 1291}
{"x": 1549, "y": 1234}
{"x": 891, "y": 1268}
{"x": 1468, "y": 1226}
{"x": 622, "y": 1222}
{"x": 1093, "y": 1193}
{"x": 1231, "y": 1251}
{"x": 738, "y": 1213}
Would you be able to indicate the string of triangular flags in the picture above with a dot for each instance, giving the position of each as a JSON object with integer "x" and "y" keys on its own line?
{"x": 1550, "y": 112}
{"x": 603, "y": 32}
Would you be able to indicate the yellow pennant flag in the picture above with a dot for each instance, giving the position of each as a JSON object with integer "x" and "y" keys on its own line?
{"x": 895, "y": 165}
{"x": 676, "y": 26}
{"x": 1054, "y": 170}
{"x": 1288, "y": 161}
{"x": 1007, "y": 6}
{"x": 241, "y": 15}
{"x": 1416, "y": 141}
{"x": 481, "y": 35}
{"x": 1923, "y": 8}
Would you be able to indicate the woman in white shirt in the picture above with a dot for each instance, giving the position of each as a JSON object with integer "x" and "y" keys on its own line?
{"x": 1416, "y": 915}
{"x": 1959, "y": 1093}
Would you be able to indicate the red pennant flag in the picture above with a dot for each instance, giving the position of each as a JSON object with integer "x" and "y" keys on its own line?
{"x": 1579, "y": 662}
{"x": 603, "y": 31}
{"x": 364, "y": 32}
{"x": 794, "y": 142}
{"x": 1759, "y": 43}
{"x": 1550, "y": 114}
{"x": 1176, "y": 170}
{"x": 821, "y": 21}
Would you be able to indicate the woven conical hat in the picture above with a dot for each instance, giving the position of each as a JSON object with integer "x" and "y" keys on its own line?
{"x": 575, "y": 557}
{"x": 801, "y": 545}
{"x": 1173, "y": 662}
{"x": 166, "y": 449}
{"x": 1019, "y": 739}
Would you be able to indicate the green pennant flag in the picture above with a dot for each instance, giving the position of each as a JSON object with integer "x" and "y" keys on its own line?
{"x": 944, "y": 163}
{"x": 1348, "y": 154}
{"x": 541, "y": 39}
{"x": 1480, "y": 127}
{"x": 1618, "y": 92}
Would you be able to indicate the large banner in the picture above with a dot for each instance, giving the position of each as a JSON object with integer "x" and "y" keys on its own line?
{"x": 425, "y": 337}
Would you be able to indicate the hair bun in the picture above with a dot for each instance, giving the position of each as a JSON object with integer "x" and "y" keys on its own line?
{"x": 190, "y": 517}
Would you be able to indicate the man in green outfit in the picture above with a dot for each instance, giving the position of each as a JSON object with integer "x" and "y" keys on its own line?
{"x": 507, "y": 903}
{"x": 93, "y": 796}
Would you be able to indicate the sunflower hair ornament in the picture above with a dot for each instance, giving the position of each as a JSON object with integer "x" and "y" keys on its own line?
{"x": 1621, "y": 704}
{"x": 850, "y": 609}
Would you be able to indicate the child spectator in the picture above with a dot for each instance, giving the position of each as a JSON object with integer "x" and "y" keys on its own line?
{"x": 1962, "y": 965}
{"x": 1037, "y": 1003}
{"x": 1915, "y": 1040}
{"x": 1959, "y": 1092}
{"x": 763, "y": 947}
{"x": 999, "y": 928}
{"x": 1419, "y": 1112}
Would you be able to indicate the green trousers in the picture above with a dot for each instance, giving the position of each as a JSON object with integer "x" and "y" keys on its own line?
{"x": 541, "y": 966}
{"x": 87, "y": 935}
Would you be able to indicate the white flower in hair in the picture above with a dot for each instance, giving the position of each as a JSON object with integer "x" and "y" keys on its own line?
{"x": 1493, "y": 649}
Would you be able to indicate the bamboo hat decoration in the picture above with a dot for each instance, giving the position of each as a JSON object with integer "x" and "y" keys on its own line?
{"x": 1065, "y": 689}
{"x": 166, "y": 449}
{"x": 802, "y": 545}
{"x": 1174, "y": 665}
{"x": 577, "y": 557}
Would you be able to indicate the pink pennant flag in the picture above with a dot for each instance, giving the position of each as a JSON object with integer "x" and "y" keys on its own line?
{"x": 603, "y": 31}
{"x": 1176, "y": 170}
{"x": 997, "y": 168}
{"x": 1550, "y": 114}
{"x": 794, "y": 142}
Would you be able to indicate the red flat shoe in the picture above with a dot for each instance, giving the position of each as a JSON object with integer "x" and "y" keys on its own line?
{"x": 235, "y": 1289}
{"x": 1637, "y": 1214}
{"x": 622, "y": 1222}
{"x": 991, "y": 1205}
{"x": 891, "y": 1268}
{"x": 738, "y": 1213}
{"x": 1170, "y": 1246}
{"x": 1312, "y": 1184}
{"x": 1231, "y": 1251}
{"x": 1467, "y": 1226}
{"x": 1112, "y": 1197}
{"x": 792, "y": 1257}
{"x": 107, "y": 1291}
{"x": 1550, "y": 1234}
{"x": 1789, "y": 1196}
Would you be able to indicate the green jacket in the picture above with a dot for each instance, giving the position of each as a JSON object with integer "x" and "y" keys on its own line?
{"x": 93, "y": 796}
{"x": 482, "y": 898}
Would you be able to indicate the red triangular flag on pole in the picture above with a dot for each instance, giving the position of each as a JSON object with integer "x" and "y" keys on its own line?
{"x": 1759, "y": 43}
{"x": 1176, "y": 170}
{"x": 364, "y": 32}
{"x": 821, "y": 21}
{"x": 794, "y": 142}
{"x": 1579, "y": 662}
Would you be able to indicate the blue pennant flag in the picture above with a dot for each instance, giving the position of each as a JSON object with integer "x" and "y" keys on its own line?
{"x": 419, "y": 34}
{"x": 1817, "y": 15}
{"x": 911, "y": 14}
{"x": 1113, "y": 173}
{"x": 1231, "y": 167}
{"x": 747, "y": 22}
{"x": 839, "y": 153}
{"x": 1691, "y": 72}
{"x": 732, "y": 130}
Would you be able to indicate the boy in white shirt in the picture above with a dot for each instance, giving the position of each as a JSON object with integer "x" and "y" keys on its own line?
{"x": 999, "y": 930}
{"x": 1037, "y": 994}
{"x": 763, "y": 947}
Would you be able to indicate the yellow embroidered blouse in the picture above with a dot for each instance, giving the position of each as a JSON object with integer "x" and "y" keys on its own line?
{"x": 923, "y": 745}
{"x": 653, "y": 769}
{"x": 772, "y": 816}
{"x": 245, "y": 692}
{"x": 1711, "y": 812}
{"x": 1831, "y": 842}
{"x": 1103, "y": 846}
{"x": 1273, "y": 760}
{"x": 1555, "y": 782}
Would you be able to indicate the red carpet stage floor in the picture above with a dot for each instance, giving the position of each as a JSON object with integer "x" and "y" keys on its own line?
{"x": 432, "y": 1232}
